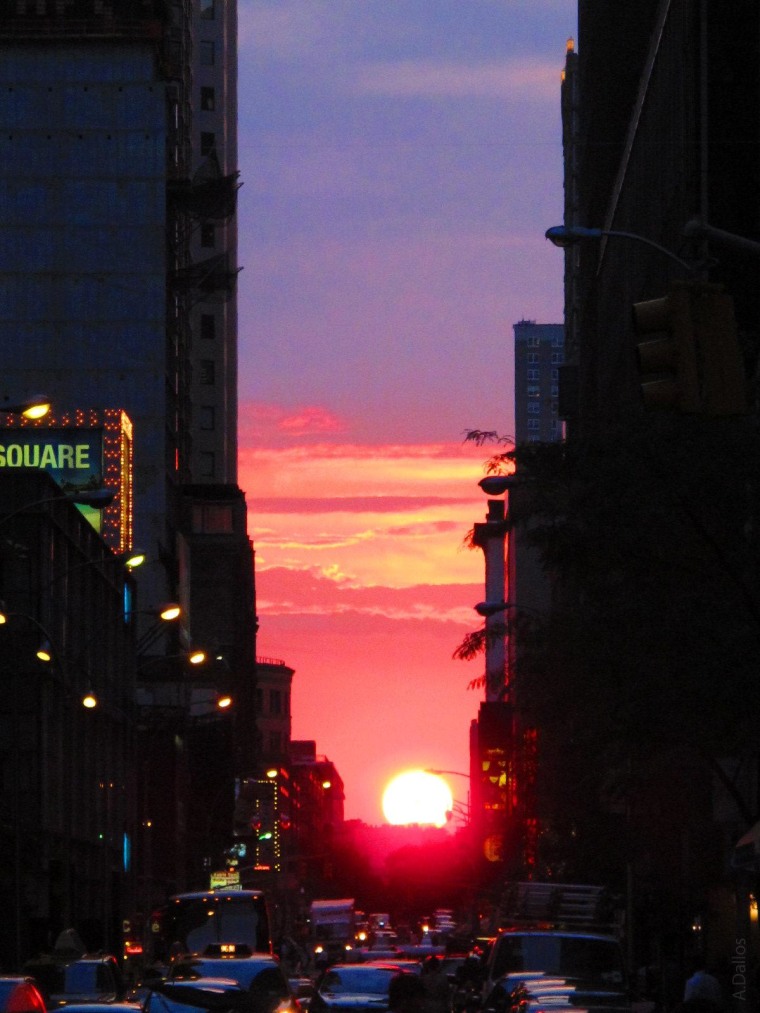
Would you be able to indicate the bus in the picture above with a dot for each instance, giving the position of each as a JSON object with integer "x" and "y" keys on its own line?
{"x": 192, "y": 922}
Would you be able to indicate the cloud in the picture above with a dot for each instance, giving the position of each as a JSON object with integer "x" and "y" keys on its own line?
{"x": 308, "y": 592}
{"x": 511, "y": 80}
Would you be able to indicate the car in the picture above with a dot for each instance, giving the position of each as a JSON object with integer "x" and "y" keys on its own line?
{"x": 358, "y": 988}
{"x": 103, "y": 1007}
{"x": 95, "y": 978}
{"x": 19, "y": 994}
{"x": 221, "y": 995}
{"x": 260, "y": 975}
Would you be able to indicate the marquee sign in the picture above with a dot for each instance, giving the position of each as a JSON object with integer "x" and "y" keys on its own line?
{"x": 81, "y": 450}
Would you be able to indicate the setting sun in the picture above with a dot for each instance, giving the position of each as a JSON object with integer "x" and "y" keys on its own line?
{"x": 417, "y": 796}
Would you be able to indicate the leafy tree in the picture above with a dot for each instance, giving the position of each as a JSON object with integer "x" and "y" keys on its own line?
{"x": 643, "y": 676}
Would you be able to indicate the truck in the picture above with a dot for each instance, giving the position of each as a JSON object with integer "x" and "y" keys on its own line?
{"x": 556, "y": 940}
{"x": 332, "y": 929}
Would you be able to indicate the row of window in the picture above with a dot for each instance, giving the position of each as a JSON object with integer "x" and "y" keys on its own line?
{"x": 534, "y": 341}
{"x": 535, "y": 374}
{"x": 536, "y": 424}
{"x": 534, "y": 390}
{"x": 534, "y": 357}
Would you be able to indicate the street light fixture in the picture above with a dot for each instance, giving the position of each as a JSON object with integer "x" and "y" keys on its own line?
{"x": 34, "y": 407}
{"x": 568, "y": 235}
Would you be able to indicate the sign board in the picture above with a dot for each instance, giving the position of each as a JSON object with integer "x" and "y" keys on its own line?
{"x": 81, "y": 450}
{"x": 225, "y": 880}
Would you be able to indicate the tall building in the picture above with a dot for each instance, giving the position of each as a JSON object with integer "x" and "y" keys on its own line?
{"x": 539, "y": 355}
{"x": 118, "y": 266}
{"x": 118, "y": 246}
{"x": 660, "y": 126}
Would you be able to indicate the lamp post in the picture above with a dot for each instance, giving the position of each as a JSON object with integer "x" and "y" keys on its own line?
{"x": 491, "y": 538}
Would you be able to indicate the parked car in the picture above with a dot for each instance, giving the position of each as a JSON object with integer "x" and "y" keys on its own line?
{"x": 358, "y": 988}
{"x": 19, "y": 994}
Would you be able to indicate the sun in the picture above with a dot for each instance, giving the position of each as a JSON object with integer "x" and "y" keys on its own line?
{"x": 417, "y": 796}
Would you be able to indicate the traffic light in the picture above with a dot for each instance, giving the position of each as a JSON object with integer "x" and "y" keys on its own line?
{"x": 694, "y": 363}
{"x": 668, "y": 362}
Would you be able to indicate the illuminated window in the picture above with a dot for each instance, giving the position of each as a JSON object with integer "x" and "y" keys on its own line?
{"x": 208, "y": 326}
{"x": 208, "y": 99}
{"x": 207, "y": 54}
{"x": 534, "y": 390}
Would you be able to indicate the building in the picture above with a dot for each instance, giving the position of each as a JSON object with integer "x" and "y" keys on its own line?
{"x": 118, "y": 264}
{"x": 539, "y": 355}
{"x": 660, "y": 129}
{"x": 68, "y": 831}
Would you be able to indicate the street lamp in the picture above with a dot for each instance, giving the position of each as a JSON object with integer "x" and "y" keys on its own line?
{"x": 34, "y": 407}
{"x": 568, "y": 235}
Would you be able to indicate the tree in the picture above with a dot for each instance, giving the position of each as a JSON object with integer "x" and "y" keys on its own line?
{"x": 642, "y": 677}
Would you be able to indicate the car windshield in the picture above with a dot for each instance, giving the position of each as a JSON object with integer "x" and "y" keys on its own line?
{"x": 587, "y": 958}
{"x": 368, "y": 980}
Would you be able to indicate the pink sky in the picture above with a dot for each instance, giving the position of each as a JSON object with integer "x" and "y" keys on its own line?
{"x": 400, "y": 164}
{"x": 365, "y": 588}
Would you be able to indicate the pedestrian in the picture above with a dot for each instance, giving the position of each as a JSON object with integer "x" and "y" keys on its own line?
{"x": 406, "y": 994}
{"x": 703, "y": 988}
{"x": 436, "y": 985}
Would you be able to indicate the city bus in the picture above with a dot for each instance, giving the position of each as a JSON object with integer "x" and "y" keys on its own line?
{"x": 192, "y": 922}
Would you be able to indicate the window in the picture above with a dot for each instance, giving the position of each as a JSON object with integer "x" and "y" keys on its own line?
{"x": 534, "y": 423}
{"x": 555, "y": 374}
{"x": 532, "y": 357}
{"x": 207, "y": 464}
{"x": 207, "y": 9}
{"x": 208, "y": 142}
{"x": 558, "y": 342}
{"x": 208, "y": 99}
{"x": 208, "y": 373}
{"x": 533, "y": 374}
{"x": 207, "y": 54}
{"x": 534, "y": 408}
{"x": 534, "y": 342}
{"x": 207, "y": 419}
{"x": 534, "y": 390}
{"x": 212, "y": 518}
{"x": 208, "y": 236}
{"x": 558, "y": 357}
{"x": 555, "y": 390}
{"x": 275, "y": 701}
{"x": 208, "y": 326}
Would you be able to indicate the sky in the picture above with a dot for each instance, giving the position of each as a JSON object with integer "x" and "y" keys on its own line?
{"x": 401, "y": 161}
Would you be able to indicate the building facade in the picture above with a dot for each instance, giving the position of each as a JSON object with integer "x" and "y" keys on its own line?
{"x": 660, "y": 129}
{"x": 118, "y": 266}
{"x": 539, "y": 356}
